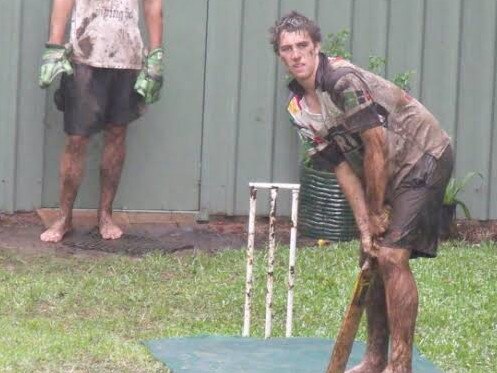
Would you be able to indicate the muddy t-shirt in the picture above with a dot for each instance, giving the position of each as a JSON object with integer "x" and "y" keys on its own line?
{"x": 411, "y": 130}
{"x": 105, "y": 33}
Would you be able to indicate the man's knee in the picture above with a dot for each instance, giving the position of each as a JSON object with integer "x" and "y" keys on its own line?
{"x": 115, "y": 137}
{"x": 115, "y": 132}
{"x": 76, "y": 144}
{"x": 392, "y": 259}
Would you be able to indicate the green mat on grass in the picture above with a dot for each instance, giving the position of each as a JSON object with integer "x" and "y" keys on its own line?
{"x": 217, "y": 354}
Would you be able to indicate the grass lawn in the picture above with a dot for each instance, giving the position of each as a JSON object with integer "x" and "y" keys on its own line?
{"x": 81, "y": 314}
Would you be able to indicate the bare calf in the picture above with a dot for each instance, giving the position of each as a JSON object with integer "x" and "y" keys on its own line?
{"x": 72, "y": 166}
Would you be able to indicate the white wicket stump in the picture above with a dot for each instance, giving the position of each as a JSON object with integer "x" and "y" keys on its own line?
{"x": 273, "y": 187}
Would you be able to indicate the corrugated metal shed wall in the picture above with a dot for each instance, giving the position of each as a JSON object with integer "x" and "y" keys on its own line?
{"x": 245, "y": 135}
{"x": 23, "y": 30}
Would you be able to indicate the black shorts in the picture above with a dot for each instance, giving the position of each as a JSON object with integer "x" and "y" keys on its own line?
{"x": 416, "y": 206}
{"x": 93, "y": 98}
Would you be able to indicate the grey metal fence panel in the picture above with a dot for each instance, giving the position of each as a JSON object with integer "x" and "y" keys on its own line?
{"x": 369, "y": 30}
{"x": 31, "y": 106}
{"x": 10, "y": 36}
{"x": 334, "y": 15}
{"x": 221, "y": 107}
{"x": 406, "y": 18}
{"x": 257, "y": 92}
{"x": 492, "y": 197}
{"x": 476, "y": 90}
{"x": 440, "y": 68}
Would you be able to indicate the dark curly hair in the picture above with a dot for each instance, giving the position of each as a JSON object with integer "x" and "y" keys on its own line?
{"x": 293, "y": 22}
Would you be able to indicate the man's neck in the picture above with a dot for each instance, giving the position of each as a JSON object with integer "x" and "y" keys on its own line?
{"x": 308, "y": 84}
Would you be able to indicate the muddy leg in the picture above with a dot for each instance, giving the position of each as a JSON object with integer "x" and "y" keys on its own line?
{"x": 72, "y": 164}
{"x": 375, "y": 359}
{"x": 402, "y": 305}
{"x": 111, "y": 167}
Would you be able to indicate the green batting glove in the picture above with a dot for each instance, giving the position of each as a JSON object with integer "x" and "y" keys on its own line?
{"x": 149, "y": 81}
{"x": 55, "y": 60}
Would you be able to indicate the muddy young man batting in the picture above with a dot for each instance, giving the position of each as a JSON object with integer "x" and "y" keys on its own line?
{"x": 392, "y": 161}
{"x": 105, "y": 84}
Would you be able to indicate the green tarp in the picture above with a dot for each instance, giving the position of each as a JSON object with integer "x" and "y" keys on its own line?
{"x": 217, "y": 354}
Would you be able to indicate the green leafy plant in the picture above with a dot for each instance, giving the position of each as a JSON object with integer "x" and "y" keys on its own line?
{"x": 454, "y": 187}
{"x": 376, "y": 64}
{"x": 336, "y": 44}
{"x": 403, "y": 80}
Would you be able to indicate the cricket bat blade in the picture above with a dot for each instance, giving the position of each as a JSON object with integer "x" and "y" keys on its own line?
{"x": 350, "y": 324}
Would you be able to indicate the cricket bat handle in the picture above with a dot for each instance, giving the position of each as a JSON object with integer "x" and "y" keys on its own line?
{"x": 350, "y": 323}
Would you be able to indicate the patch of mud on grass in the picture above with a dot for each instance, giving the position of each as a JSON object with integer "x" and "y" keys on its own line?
{"x": 476, "y": 231}
{"x": 21, "y": 231}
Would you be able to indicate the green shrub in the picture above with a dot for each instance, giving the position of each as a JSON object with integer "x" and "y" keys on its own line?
{"x": 454, "y": 187}
{"x": 337, "y": 45}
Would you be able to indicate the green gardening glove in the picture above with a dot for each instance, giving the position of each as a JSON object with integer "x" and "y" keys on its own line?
{"x": 149, "y": 81}
{"x": 55, "y": 60}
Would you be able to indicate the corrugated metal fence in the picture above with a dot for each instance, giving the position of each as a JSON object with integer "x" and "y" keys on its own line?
{"x": 222, "y": 123}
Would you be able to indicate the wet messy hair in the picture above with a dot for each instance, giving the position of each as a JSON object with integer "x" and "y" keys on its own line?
{"x": 293, "y": 22}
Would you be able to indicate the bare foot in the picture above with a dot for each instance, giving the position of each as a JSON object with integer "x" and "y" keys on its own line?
{"x": 108, "y": 229}
{"x": 367, "y": 367}
{"x": 57, "y": 230}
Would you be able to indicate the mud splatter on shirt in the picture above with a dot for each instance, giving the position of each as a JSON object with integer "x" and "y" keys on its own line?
{"x": 411, "y": 130}
{"x": 363, "y": 100}
{"x": 105, "y": 33}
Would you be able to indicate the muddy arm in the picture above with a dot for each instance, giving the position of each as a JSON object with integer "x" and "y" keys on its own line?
{"x": 376, "y": 177}
{"x": 354, "y": 192}
{"x": 61, "y": 10}
{"x": 153, "y": 18}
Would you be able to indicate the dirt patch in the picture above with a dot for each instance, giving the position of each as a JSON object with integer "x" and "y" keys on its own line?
{"x": 21, "y": 231}
{"x": 476, "y": 231}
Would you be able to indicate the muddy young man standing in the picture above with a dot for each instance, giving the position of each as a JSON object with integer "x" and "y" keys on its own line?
{"x": 105, "y": 84}
{"x": 392, "y": 161}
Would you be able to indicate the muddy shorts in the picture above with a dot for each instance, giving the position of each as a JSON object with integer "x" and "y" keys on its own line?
{"x": 416, "y": 206}
{"x": 93, "y": 98}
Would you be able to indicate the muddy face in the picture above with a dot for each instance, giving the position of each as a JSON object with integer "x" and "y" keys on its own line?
{"x": 299, "y": 54}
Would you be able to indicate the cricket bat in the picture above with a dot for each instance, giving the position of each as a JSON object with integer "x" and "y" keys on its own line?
{"x": 350, "y": 323}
